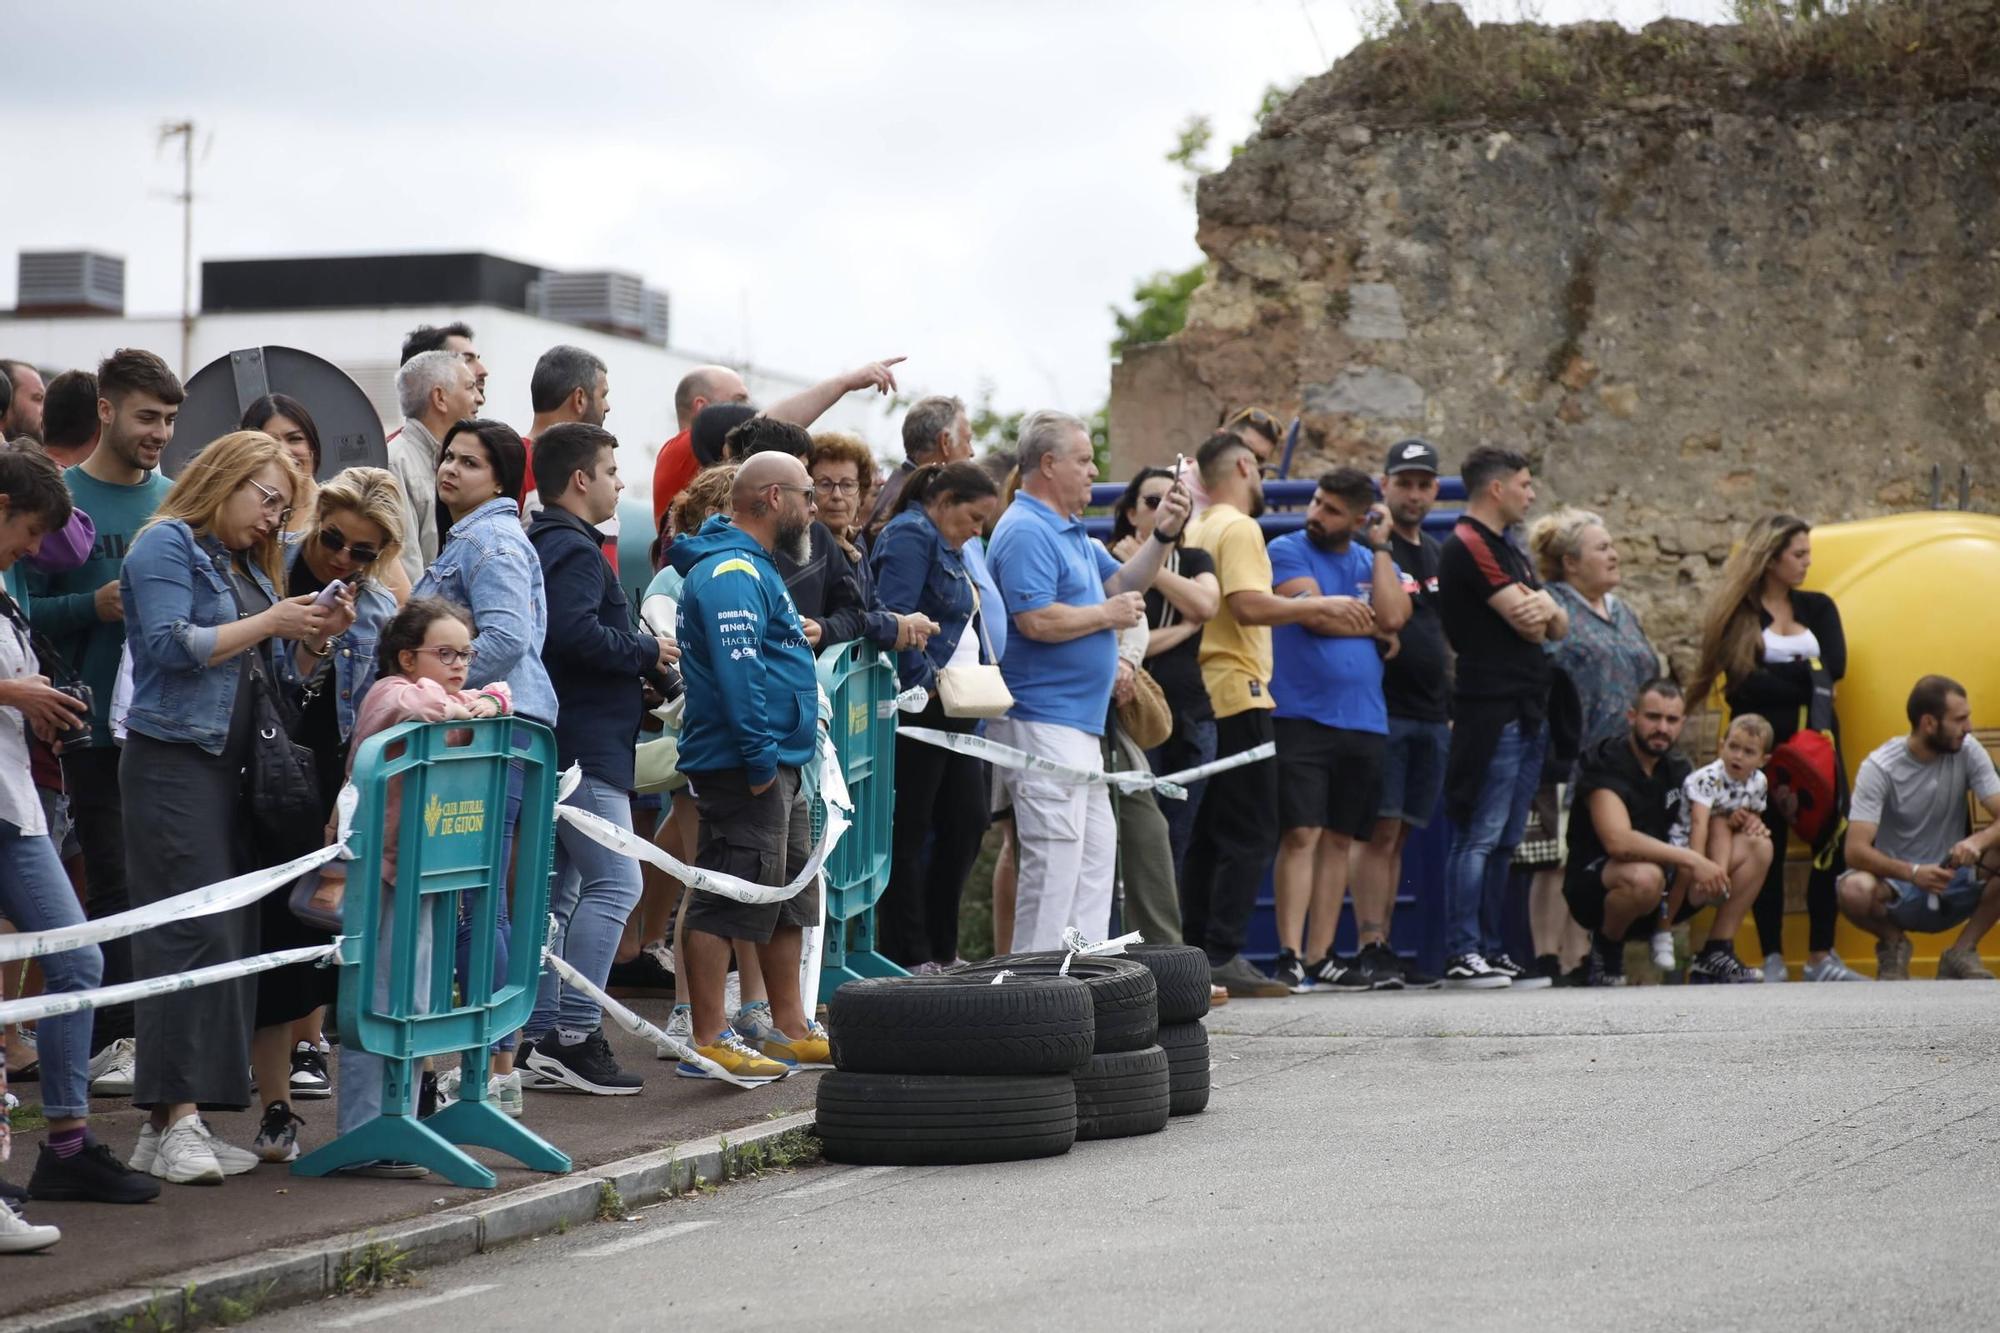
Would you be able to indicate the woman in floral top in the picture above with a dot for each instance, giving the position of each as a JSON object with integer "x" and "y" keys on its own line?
{"x": 1607, "y": 657}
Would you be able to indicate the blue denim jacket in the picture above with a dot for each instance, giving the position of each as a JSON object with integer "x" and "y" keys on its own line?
{"x": 353, "y": 652}
{"x": 175, "y": 586}
{"x": 488, "y": 567}
{"x": 916, "y": 571}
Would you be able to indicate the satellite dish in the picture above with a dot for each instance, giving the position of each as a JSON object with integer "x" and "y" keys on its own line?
{"x": 350, "y": 434}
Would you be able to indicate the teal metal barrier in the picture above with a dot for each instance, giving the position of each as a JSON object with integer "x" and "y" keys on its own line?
{"x": 452, "y": 807}
{"x": 860, "y": 683}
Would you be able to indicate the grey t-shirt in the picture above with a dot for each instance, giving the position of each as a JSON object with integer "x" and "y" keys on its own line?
{"x": 1918, "y": 808}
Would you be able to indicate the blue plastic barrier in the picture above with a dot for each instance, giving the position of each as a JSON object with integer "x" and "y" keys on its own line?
{"x": 860, "y": 683}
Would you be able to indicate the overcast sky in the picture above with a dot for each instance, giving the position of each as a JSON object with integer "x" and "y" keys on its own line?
{"x": 815, "y": 184}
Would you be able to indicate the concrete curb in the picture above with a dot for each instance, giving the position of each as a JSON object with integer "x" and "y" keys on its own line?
{"x": 292, "y": 1276}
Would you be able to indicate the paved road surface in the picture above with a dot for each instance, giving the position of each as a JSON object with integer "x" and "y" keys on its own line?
{"x": 1660, "y": 1158}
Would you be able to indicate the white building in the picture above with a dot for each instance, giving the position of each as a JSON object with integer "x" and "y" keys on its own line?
{"x": 55, "y": 330}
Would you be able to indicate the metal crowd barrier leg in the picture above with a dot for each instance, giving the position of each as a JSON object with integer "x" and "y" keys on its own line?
{"x": 452, "y": 797}
{"x": 860, "y": 682}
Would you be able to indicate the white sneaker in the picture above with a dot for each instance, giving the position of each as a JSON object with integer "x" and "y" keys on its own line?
{"x": 229, "y": 1159}
{"x": 504, "y": 1091}
{"x": 1663, "y": 950}
{"x": 1831, "y": 968}
{"x": 111, "y": 1069}
{"x": 20, "y": 1236}
{"x": 1775, "y": 969}
{"x": 680, "y": 1026}
{"x": 184, "y": 1155}
{"x": 447, "y": 1085}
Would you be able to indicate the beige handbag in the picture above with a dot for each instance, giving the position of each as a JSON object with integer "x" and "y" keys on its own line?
{"x": 978, "y": 690}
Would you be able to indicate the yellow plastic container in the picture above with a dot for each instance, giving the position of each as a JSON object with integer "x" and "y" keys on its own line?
{"x": 1918, "y": 594}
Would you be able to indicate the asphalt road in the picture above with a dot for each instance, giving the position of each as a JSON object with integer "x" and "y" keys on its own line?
{"x": 1660, "y": 1158}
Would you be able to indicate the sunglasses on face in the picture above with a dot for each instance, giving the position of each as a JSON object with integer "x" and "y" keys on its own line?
{"x": 1151, "y": 501}
{"x": 335, "y": 541}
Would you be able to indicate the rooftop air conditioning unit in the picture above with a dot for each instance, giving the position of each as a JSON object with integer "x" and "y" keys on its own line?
{"x": 611, "y": 301}
{"x": 70, "y": 282}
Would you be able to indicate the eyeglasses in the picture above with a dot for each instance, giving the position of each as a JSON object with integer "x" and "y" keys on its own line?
{"x": 829, "y": 486}
{"x": 335, "y": 541}
{"x": 274, "y": 501}
{"x": 806, "y": 491}
{"x": 450, "y": 656}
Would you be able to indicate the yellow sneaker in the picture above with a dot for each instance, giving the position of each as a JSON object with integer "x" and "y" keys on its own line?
{"x": 737, "y": 1062}
{"x": 807, "y": 1052}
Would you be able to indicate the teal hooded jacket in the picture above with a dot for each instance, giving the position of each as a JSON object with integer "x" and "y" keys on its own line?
{"x": 752, "y": 685}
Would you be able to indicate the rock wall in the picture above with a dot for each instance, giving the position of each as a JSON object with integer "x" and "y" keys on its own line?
{"x": 1687, "y": 314}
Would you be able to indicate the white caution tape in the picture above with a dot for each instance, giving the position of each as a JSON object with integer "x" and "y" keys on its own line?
{"x": 1000, "y": 976}
{"x": 569, "y": 781}
{"x": 1076, "y": 942}
{"x": 626, "y": 843}
{"x": 1006, "y": 756}
{"x": 225, "y": 896}
{"x": 70, "y": 1002}
{"x": 913, "y": 700}
{"x": 1224, "y": 764}
{"x": 639, "y": 1027}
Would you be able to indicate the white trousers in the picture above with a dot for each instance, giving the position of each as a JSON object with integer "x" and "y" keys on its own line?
{"x": 1067, "y": 841}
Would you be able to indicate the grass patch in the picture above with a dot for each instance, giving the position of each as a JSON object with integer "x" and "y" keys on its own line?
{"x": 610, "y": 1203}
{"x": 1432, "y": 63}
{"x": 28, "y": 1119}
{"x": 374, "y": 1266}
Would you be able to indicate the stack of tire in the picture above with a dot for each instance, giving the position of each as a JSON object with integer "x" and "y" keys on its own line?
{"x": 1015, "y": 1057}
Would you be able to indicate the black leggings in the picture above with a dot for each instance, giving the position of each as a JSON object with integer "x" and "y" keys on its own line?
{"x": 941, "y": 802}
{"x": 1822, "y": 905}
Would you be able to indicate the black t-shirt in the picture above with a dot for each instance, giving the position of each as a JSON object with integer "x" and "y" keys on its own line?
{"x": 319, "y": 720}
{"x": 1493, "y": 661}
{"x": 1178, "y": 670}
{"x": 1651, "y": 799}
{"x": 1416, "y": 682}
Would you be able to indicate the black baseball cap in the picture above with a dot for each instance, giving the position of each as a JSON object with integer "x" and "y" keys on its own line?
{"x": 1411, "y": 455}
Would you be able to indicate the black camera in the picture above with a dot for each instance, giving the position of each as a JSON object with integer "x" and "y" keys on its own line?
{"x": 666, "y": 682}
{"x": 80, "y": 733}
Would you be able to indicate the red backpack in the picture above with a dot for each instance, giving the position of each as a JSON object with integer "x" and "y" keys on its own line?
{"x": 1809, "y": 764}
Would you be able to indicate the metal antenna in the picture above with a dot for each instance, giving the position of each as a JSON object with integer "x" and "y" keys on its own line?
{"x": 184, "y": 131}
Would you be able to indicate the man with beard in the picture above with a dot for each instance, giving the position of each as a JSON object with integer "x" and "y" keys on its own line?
{"x": 748, "y": 728}
{"x": 1621, "y": 861}
{"x": 1236, "y": 831}
{"x": 22, "y": 417}
{"x": 1331, "y": 727}
{"x": 119, "y": 486}
{"x": 1911, "y": 863}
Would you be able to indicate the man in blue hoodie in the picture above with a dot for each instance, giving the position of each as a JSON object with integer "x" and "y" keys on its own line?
{"x": 749, "y": 727}
{"x": 595, "y": 661}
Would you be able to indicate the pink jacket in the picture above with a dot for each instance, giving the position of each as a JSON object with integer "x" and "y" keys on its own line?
{"x": 392, "y": 700}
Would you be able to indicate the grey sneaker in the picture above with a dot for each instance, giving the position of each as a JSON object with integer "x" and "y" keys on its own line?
{"x": 1830, "y": 968}
{"x": 1957, "y": 964}
{"x": 1892, "y": 961}
{"x": 1775, "y": 969}
{"x": 1241, "y": 979}
{"x": 680, "y": 1026}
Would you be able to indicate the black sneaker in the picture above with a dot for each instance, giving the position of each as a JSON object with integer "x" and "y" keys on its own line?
{"x": 1378, "y": 967}
{"x": 1291, "y": 973}
{"x": 427, "y": 1095}
{"x": 94, "y": 1175}
{"x": 278, "y": 1134}
{"x": 1415, "y": 978}
{"x": 1721, "y": 967}
{"x": 310, "y": 1079}
{"x": 587, "y": 1066}
{"x": 1505, "y": 966}
{"x": 644, "y": 978}
{"x": 12, "y": 1193}
{"x": 1469, "y": 971}
{"x": 1607, "y": 962}
{"x": 1339, "y": 974}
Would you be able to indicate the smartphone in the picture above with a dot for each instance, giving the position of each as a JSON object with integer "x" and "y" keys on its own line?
{"x": 330, "y": 594}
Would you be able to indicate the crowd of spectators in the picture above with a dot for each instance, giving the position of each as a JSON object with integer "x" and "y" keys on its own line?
{"x": 154, "y": 630}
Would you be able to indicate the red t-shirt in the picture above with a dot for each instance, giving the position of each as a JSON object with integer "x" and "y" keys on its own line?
{"x": 672, "y": 471}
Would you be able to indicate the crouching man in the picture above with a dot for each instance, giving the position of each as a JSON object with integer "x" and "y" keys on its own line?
{"x": 1622, "y": 865}
{"x": 750, "y": 725}
{"x": 1912, "y": 865}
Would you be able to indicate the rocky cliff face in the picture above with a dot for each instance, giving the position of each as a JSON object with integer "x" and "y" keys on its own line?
{"x": 1689, "y": 307}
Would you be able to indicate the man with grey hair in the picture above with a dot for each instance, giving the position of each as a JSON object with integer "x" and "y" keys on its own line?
{"x": 1066, "y": 600}
{"x": 935, "y": 430}
{"x": 433, "y": 389}
{"x": 569, "y": 384}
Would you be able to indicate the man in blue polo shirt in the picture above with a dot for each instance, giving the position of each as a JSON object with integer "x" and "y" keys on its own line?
{"x": 1331, "y": 726}
{"x": 1066, "y": 598}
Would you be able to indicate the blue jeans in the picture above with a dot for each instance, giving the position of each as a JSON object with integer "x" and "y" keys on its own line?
{"x": 1482, "y": 852}
{"x": 1413, "y": 769}
{"x": 361, "y": 1073}
{"x": 502, "y": 925}
{"x": 593, "y": 896}
{"x": 35, "y": 895}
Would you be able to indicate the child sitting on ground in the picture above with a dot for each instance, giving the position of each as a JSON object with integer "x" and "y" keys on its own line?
{"x": 1733, "y": 787}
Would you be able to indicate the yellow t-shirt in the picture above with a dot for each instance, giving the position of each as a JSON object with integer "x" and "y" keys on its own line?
{"x": 1235, "y": 658}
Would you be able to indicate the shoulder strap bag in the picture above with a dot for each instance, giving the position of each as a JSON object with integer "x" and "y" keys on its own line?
{"x": 280, "y": 778}
{"x": 978, "y": 690}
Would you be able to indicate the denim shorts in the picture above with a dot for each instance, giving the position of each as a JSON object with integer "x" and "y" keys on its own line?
{"x": 1413, "y": 770}
{"x": 1911, "y": 909}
